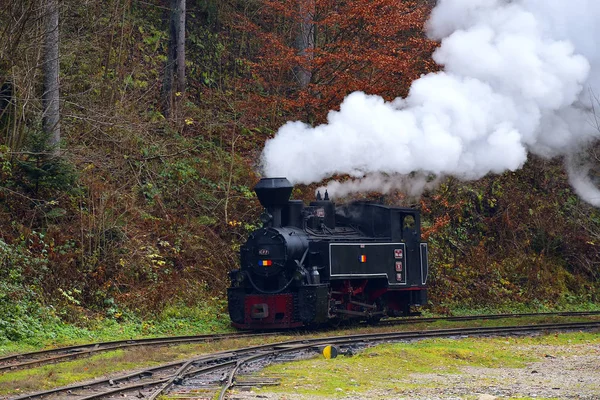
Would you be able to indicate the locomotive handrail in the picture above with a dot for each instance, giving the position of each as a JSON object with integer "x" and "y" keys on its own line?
{"x": 319, "y": 234}
{"x": 304, "y": 256}
{"x": 301, "y": 266}
{"x": 264, "y": 291}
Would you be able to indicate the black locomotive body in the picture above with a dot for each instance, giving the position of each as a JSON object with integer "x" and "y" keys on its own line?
{"x": 313, "y": 264}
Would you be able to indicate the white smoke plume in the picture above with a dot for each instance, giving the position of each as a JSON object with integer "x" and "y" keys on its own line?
{"x": 517, "y": 77}
{"x": 412, "y": 185}
{"x": 582, "y": 182}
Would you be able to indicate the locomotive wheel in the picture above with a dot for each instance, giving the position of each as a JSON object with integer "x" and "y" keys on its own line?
{"x": 381, "y": 306}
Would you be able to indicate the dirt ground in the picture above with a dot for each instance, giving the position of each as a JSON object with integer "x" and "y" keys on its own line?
{"x": 564, "y": 372}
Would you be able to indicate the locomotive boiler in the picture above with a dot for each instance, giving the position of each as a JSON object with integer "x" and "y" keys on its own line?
{"x": 324, "y": 262}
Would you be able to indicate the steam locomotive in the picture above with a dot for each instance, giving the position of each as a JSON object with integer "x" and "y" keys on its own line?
{"x": 315, "y": 264}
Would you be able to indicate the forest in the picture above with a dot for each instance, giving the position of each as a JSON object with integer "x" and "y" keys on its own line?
{"x": 131, "y": 134}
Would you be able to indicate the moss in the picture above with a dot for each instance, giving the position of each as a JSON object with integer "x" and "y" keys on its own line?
{"x": 390, "y": 367}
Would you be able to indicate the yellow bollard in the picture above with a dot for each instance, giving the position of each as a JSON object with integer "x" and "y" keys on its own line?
{"x": 330, "y": 352}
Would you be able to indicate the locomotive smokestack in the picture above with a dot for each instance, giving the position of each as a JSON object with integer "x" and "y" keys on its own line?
{"x": 273, "y": 194}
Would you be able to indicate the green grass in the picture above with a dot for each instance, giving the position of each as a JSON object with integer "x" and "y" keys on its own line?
{"x": 354, "y": 374}
{"x": 385, "y": 367}
{"x": 173, "y": 321}
{"x": 389, "y": 367}
{"x": 66, "y": 373}
{"x": 375, "y": 368}
{"x": 23, "y": 330}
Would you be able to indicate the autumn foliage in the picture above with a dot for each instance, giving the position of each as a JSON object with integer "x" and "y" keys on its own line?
{"x": 378, "y": 47}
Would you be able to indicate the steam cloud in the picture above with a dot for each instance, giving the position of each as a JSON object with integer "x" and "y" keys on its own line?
{"x": 518, "y": 77}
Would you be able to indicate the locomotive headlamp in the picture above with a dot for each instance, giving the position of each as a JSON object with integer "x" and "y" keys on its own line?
{"x": 299, "y": 275}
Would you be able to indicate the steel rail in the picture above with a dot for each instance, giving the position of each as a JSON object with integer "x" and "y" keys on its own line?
{"x": 43, "y": 357}
{"x": 170, "y": 381}
{"x": 108, "y": 381}
{"x": 298, "y": 345}
{"x": 13, "y": 362}
{"x": 488, "y": 316}
{"x": 241, "y": 356}
{"x": 221, "y": 360}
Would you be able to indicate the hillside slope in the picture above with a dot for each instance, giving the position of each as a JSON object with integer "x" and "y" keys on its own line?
{"x": 142, "y": 212}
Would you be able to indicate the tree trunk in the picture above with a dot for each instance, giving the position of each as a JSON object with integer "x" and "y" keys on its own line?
{"x": 167, "y": 86}
{"x": 6, "y": 96}
{"x": 51, "y": 67}
{"x": 175, "y": 57}
{"x": 305, "y": 41}
{"x": 180, "y": 29}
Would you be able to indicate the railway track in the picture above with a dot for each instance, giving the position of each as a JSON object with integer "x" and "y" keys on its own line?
{"x": 38, "y": 358}
{"x": 221, "y": 368}
{"x": 487, "y": 317}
